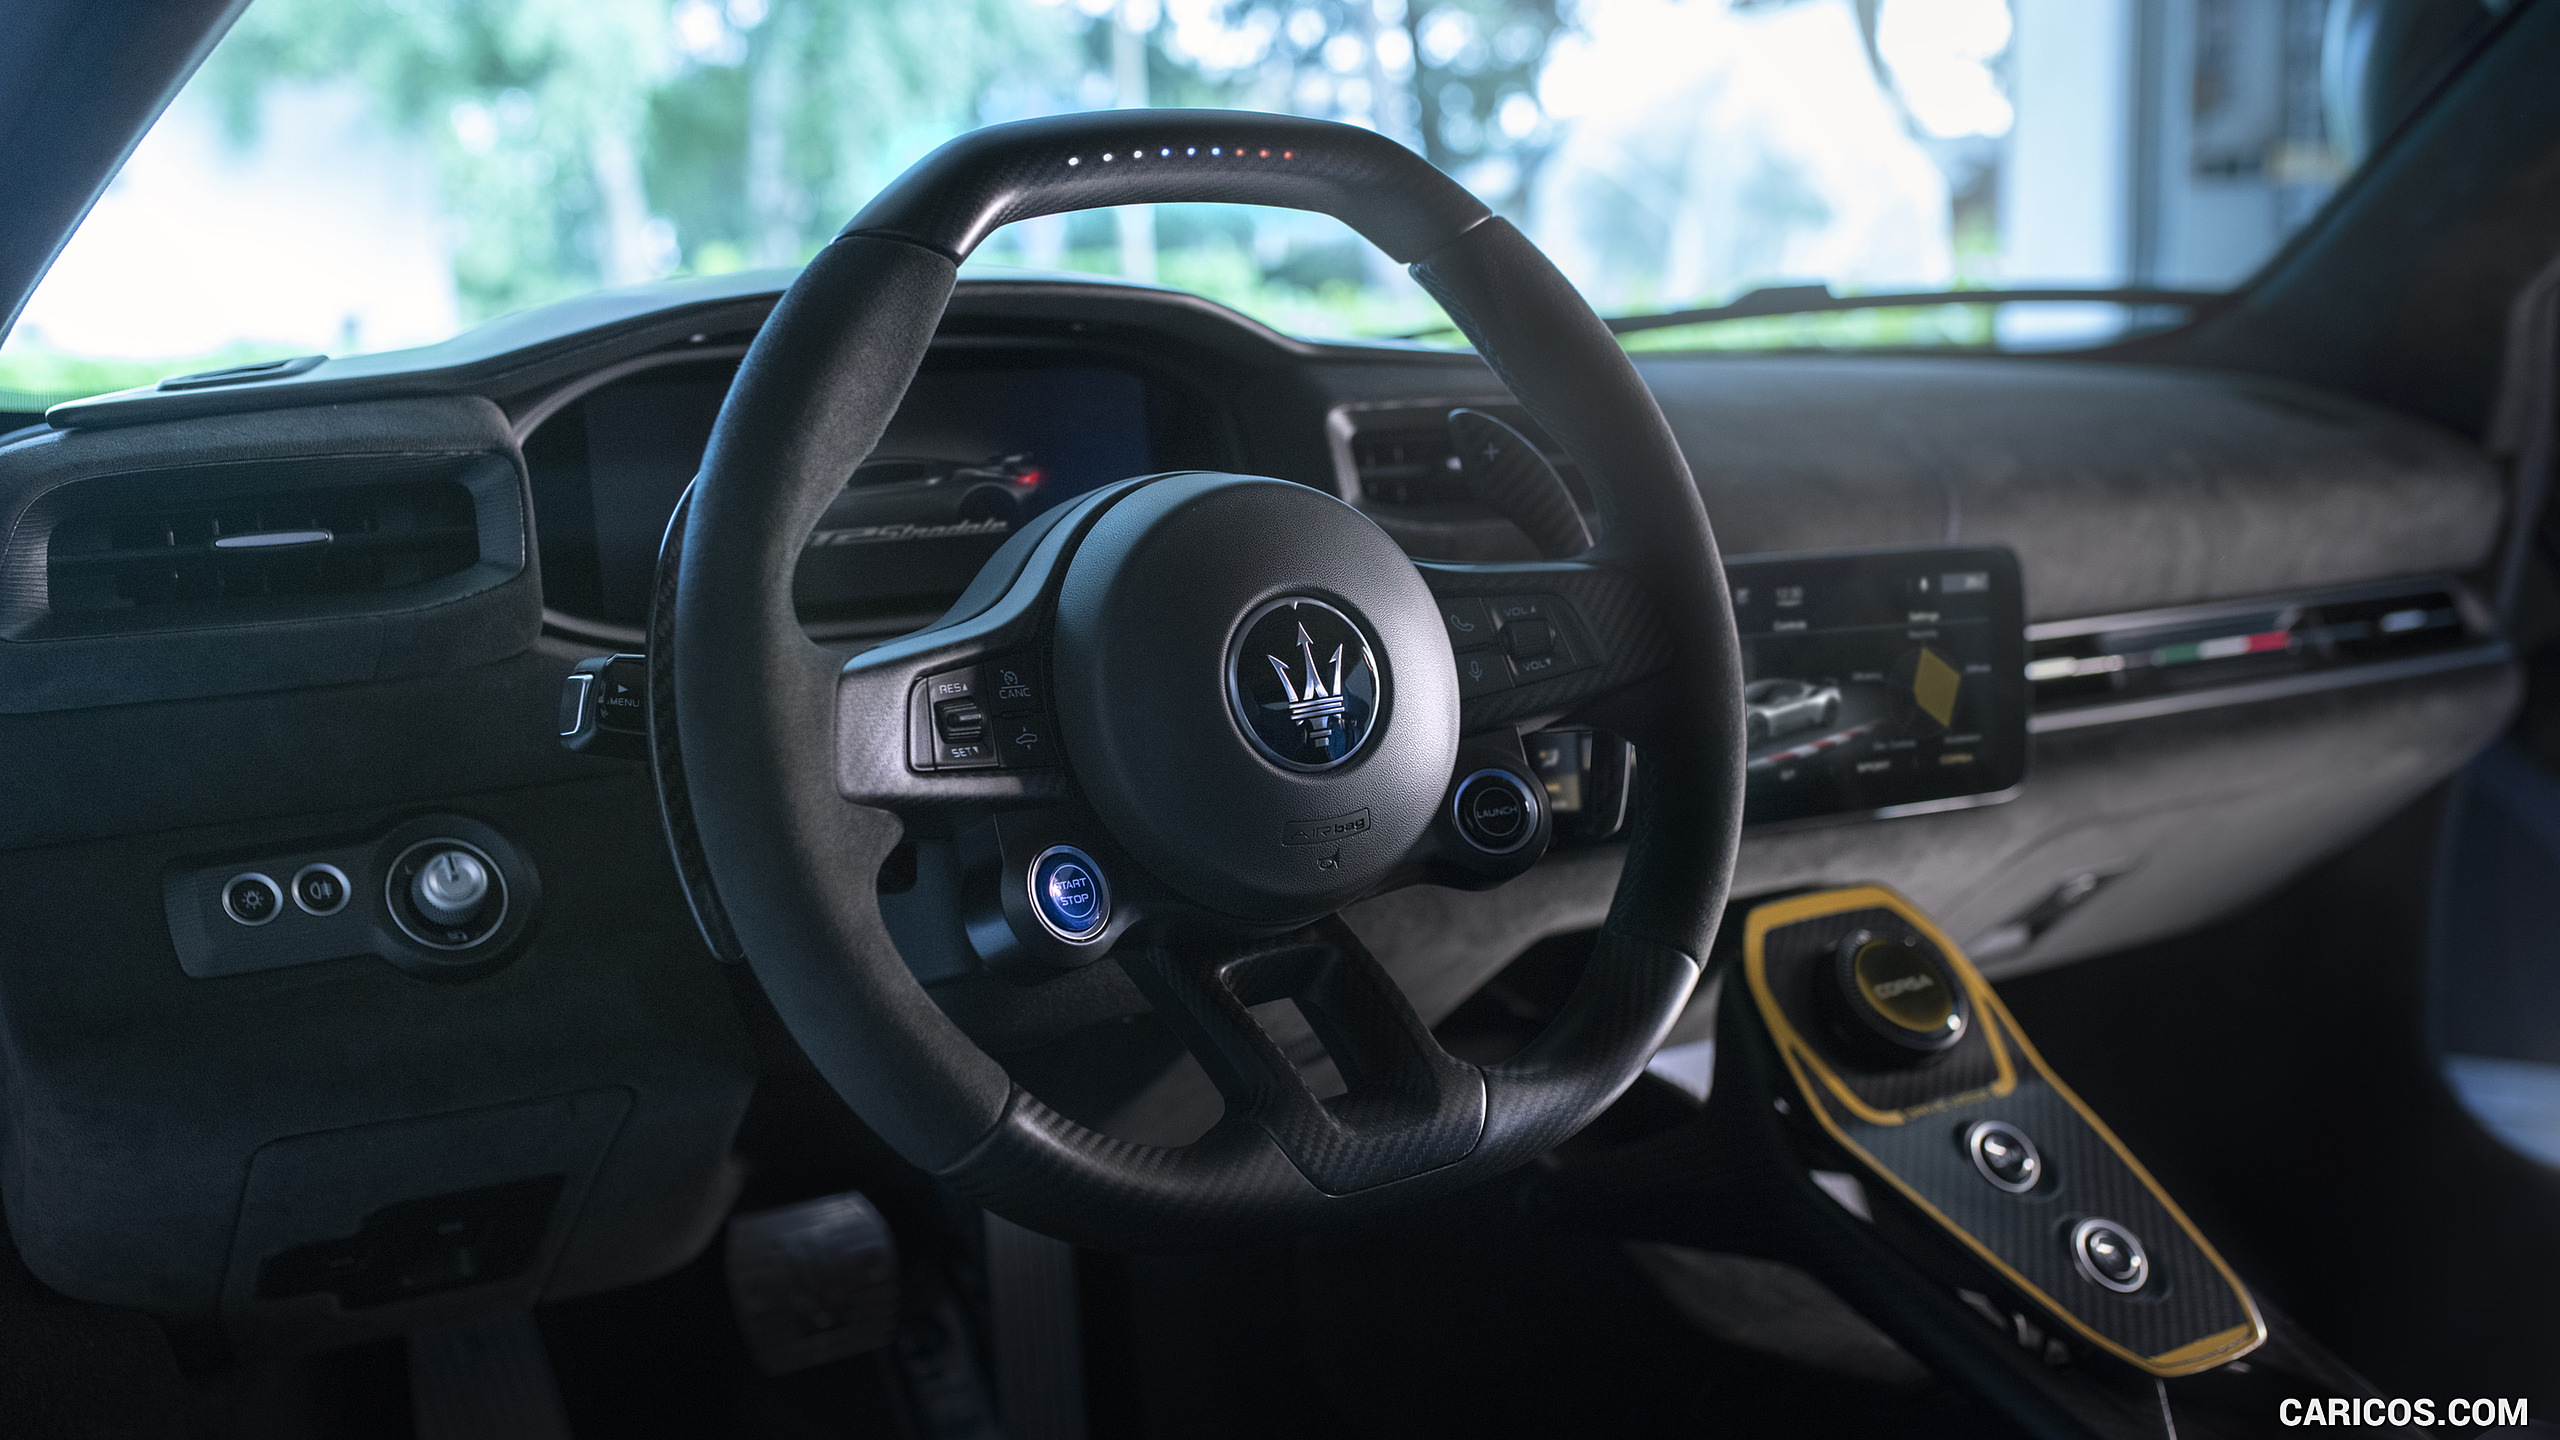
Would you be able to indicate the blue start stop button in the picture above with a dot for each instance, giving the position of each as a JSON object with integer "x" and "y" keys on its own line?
{"x": 1069, "y": 894}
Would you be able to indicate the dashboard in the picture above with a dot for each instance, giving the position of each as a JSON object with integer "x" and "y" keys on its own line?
{"x": 2075, "y": 654}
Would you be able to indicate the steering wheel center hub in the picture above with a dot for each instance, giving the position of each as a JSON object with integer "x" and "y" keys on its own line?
{"x": 1304, "y": 681}
{"x": 1256, "y": 690}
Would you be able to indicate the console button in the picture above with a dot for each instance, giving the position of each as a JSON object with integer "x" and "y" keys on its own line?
{"x": 2004, "y": 1155}
{"x": 1068, "y": 894}
{"x": 1010, "y": 686}
{"x": 2108, "y": 1253}
{"x": 1469, "y": 622}
{"x": 251, "y": 899}
{"x": 320, "y": 889}
{"x": 1496, "y": 811}
{"x": 1482, "y": 672}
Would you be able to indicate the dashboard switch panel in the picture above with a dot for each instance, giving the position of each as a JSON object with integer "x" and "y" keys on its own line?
{"x": 443, "y": 896}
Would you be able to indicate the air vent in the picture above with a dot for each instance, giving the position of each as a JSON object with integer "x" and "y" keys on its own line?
{"x": 1404, "y": 456}
{"x": 1407, "y": 467}
{"x": 345, "y": 541}
{"x": 2080, "y": 662}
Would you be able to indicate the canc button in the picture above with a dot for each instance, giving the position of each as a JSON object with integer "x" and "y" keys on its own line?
{"x": 1069, "y": 894}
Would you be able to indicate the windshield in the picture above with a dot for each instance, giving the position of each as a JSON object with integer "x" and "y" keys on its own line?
{"x": 346, "y": 176}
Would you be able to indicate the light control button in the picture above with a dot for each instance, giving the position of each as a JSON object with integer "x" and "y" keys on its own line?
{"x": 1069, "y": 894}
{"x": 251, "y": 899}
{"x": 2109, "y": 1254}
{"x": 450, "y": 886}
{"x": 2004, "y": 1155}
{"x": 320, "y": 889}
{"x": 1496, "y": 811}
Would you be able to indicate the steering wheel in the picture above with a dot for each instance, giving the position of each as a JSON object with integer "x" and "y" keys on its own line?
{"x": 1261, "y": 716}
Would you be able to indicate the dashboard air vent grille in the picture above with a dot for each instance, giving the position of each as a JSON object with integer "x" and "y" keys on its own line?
{"x": 1405, "y": 456}
{"x": 340, "y": 541}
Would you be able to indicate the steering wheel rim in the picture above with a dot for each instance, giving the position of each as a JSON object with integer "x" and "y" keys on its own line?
{"x": 794, "y": 815}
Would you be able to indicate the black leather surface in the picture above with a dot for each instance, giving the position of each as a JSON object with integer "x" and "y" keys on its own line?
{"x": 794, "y": 864}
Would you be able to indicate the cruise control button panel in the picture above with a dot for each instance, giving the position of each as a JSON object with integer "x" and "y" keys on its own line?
{"x": 445, "y": 896}
{"x": 988, "y": 716}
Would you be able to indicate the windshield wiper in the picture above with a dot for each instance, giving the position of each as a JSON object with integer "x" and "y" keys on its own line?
{"x": 1814, "y": 299}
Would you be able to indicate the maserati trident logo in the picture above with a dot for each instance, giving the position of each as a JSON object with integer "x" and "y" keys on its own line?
{"x": 1304, "y": 683}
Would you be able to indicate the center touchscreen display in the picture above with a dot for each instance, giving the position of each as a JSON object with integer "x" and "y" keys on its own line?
{"x": 1880, "y": 680}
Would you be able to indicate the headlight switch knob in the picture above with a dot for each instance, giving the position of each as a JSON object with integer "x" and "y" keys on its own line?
{"x": 450, "y": 887}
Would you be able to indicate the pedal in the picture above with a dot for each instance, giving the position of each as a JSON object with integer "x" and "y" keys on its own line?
{"x": 484, "y": 1377}
{"x": 813, "y": 1282}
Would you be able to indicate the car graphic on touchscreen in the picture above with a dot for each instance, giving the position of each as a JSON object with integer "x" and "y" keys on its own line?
{"x": 1771, "y": 708}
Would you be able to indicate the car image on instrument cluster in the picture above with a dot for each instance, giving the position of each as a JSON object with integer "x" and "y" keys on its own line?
{"x": 902, "y": 498}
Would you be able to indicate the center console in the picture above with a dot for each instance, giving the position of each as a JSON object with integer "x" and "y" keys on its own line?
{"x": 1878, "y": 1119}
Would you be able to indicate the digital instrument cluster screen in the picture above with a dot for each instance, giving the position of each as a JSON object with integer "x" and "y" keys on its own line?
{"x": 976, "y": 450}
{"x": 1879, "y": 680}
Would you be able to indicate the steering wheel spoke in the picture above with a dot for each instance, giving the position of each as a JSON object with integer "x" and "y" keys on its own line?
{"x": 1406, "y": 1107}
